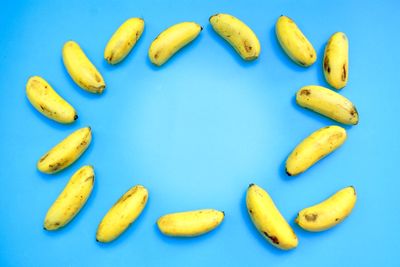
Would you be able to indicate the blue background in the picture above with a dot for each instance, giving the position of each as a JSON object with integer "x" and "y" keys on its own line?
{"x": 197, "y": 131}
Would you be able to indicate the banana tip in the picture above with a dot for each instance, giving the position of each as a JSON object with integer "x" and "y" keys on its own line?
{"x": 288, "y": 173}
{"x": 76, "y": 117}
{"x": 209, "y": 19}
{"x": 250, "y": 185}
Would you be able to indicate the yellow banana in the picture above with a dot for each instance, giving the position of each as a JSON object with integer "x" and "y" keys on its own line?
{"x": 43, "y": 98}
{"x": 71, "y": 199}
{"x": 328, "y": 213}
{"x": 336, "y": 60}
{"x": 294, "y": 43}
{"x": 268, "y": 220}
{"x": 123, "y": 40}
{"x": 81, "y": 70}
{"x": 327, "y": 103}
{"x": 122, "y": 214}
{"x": 316, "y": 146}
{"x": 171, "y": 40}
{"x": 190, "y": 223}
{"x": 66, "y": 152}
{"x": 237, "y": 34}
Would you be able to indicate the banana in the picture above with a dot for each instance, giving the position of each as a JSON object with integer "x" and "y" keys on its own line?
{"x": 190, "y": 223}
{"x": 268, "y": 220}
{"x": 327, "y": 103}
{"x": 122, "y": 214}
{"x": 171, "y": 40}
{"x": 43, "y": 98}
{"x": 66, "y": 152}
{"x": 81, "y": 70}
{"x": 294, "y": 43}
{"x": 123, "y": 40}
{"x": 237, "y": 34}
{"x": 71, "y": 199}
{"x": 328, "y": 213}
{"x": 336, "y": 60}
{"x": 316, "y": 146}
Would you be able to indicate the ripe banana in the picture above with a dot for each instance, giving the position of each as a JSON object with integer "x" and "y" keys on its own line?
{"x": 294, "y": 43}
{"x": 336, "y": 60}
{"x": 81, "y": 70}
{"x": 328, "y": 213}
{"x": 171, "y": 40}
{"x": 71, "y": 199}
{"x": 65, "y": 152}
{"x": 268, "y": 220}
{"x": 123, "y": 40}
{"x": 43, "y": 98}
{"x": 327, "y": 103}
{"x": 190, "y": 223}
{"x": 316, "y": 146}
{"x": 122, "y": 214}
{"x": 237, "y": 34}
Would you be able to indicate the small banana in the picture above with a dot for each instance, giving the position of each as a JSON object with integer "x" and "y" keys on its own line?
{"x": 327, "y": 103}
{"x": 268, "y": 220}
{"x": 316, "y": 146}
{"x": 123, "y": 40}
{"x": 81, "y": 70}
{"x": 294, "y": 43}
{"x": 190, "y": 223}
{"x": 237, "y": 34}
{"x": 336, "y": 60}
{"x": 171, "y": 40}
{"x": 43, "y": 98}
{"x": 328, "y": 213}
{"x": 66, "y": 152}
{"x": 71, "y": 199}
{"x": 122, "y": 214}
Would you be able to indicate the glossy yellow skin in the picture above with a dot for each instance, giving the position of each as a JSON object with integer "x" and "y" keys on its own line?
{"x": 123, "y": 40}
{"x": 268, "y": 220}
{"x": 294, "y": 43}
{"x": 237, "y": 34}
{"x": 66, "y": 152}
{"x": 81, "y": 70}
{"x": 122, "y": 214}
{"x": 329, "y": 212}
{"x": 43, "y": 98}
{"x": 71, "y": 199}
{"x": 336, "y": 60}
{"x": 316, "y": 146}
{"x": 190, "y": 223}
{"x": 172, "y": 40}
{"x": 327, "y": 103}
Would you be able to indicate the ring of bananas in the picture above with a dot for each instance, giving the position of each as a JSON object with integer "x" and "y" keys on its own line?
{"x": 262, "y": 210}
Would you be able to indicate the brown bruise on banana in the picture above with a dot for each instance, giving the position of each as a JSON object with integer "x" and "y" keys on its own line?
{"x": 344, "y": 72}
{"x": 273, "y": 238}
{"x": 311, "y": 217}
{"x": 305, "y": 92}
{"x": 326, "y": 63}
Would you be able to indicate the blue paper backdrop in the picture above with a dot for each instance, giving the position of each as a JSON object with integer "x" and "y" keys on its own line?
{"x": 197, "y": 131}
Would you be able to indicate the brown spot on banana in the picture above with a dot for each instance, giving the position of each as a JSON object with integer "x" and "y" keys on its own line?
{"x": 311, "y": 217}
{"x": 273, "y": 238}
{"x": 344, "y": 72}
{"x": 305, "y": 92}
{"x": 326, "y": 64}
